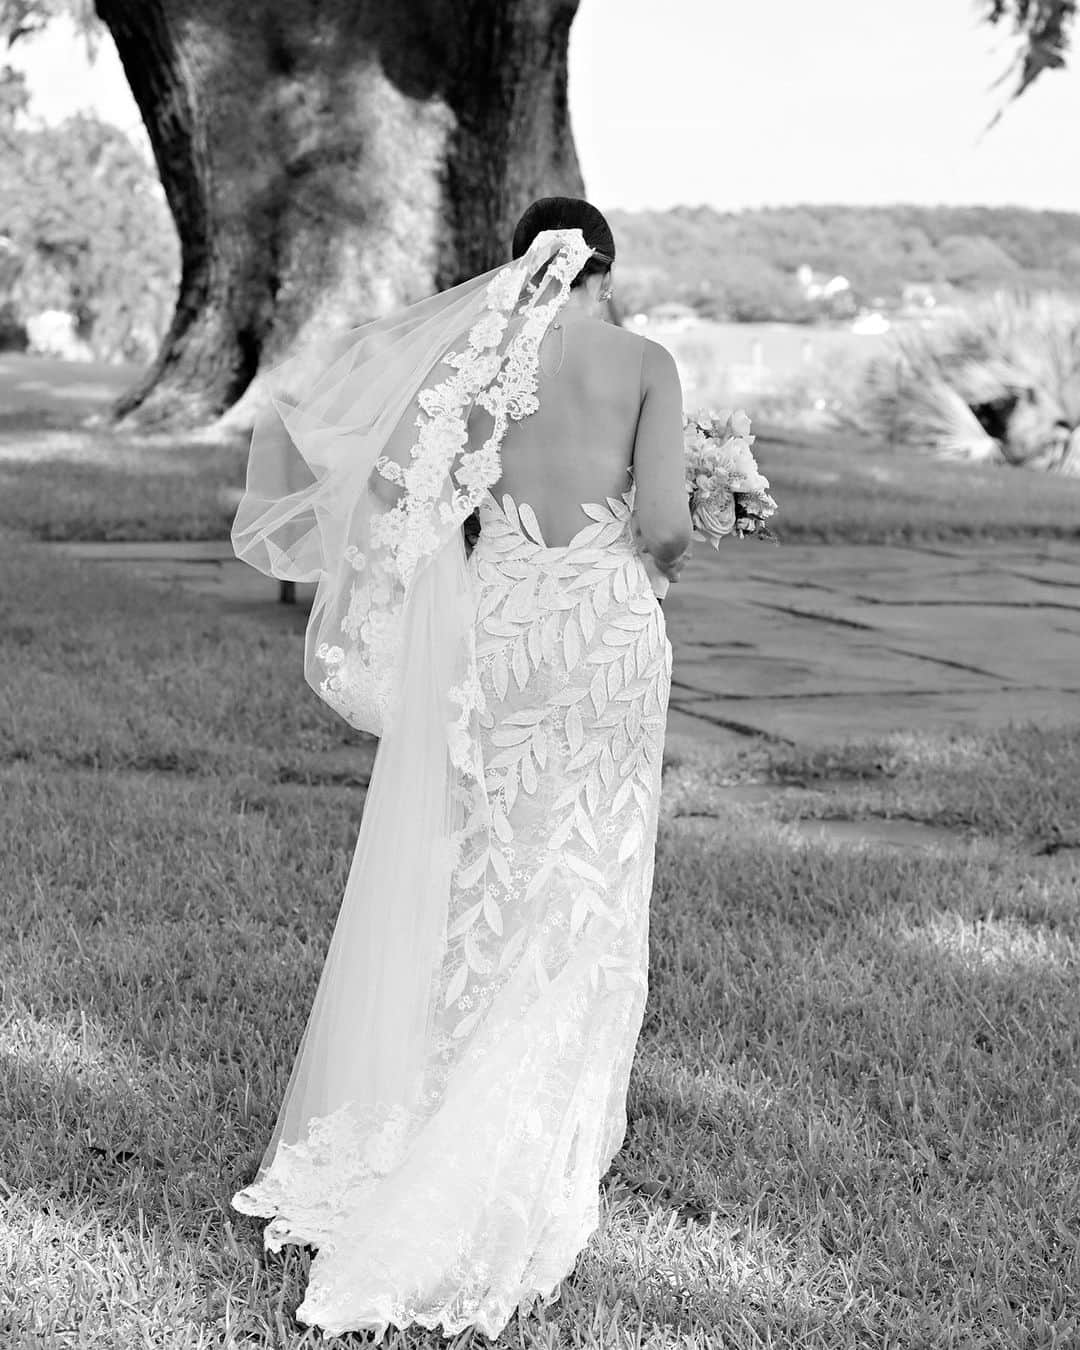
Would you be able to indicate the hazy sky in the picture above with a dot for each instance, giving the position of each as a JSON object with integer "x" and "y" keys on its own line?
{"x": 758, "y": 103}
{"x": 777, "y": 101}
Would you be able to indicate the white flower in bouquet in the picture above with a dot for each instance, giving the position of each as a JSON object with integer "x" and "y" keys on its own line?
{"x": 739, "y": 469}
{"x": 740, "y": 426}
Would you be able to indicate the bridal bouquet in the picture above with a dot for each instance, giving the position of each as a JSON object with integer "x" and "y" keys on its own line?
{"x": 728, "y": 492}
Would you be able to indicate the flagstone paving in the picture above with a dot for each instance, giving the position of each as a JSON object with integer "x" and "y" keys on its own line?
{"x": 804, "y": 643}
{"x": 817, "y": 643}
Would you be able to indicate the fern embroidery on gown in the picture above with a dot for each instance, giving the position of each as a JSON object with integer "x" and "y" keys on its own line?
{"x": 477, "y": 1205}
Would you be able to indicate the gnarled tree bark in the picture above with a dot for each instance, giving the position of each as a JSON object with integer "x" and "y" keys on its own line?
{"x": 329, "y": 160}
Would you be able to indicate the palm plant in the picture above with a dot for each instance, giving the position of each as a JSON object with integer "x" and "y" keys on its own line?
{"x": 1000, "y": 384}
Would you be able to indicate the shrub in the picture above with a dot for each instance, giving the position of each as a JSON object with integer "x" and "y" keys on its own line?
{"x": 1001, "y": 383}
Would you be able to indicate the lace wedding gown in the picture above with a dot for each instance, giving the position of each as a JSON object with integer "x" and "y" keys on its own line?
{"x": 480, "y": 1205}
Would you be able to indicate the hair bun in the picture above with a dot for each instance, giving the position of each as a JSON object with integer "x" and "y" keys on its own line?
{"x": 567, "y": 213}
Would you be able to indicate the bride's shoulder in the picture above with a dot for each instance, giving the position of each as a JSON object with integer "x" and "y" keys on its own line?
{"x": 611, "y": 351}
{"x": 614, "y": 335}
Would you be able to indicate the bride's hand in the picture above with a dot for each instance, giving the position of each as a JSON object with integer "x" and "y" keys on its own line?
{"x": 670, "y": 570}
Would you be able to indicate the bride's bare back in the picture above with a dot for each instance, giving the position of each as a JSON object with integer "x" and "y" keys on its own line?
{"x": 609, "y": 414}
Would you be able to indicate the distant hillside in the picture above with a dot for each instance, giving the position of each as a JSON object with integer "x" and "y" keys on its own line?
{"x": 741, "y": 265}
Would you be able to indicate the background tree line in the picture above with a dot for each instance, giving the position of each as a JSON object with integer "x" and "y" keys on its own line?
{"x": 741, "y": 265}
{"x": 85, "y": 229}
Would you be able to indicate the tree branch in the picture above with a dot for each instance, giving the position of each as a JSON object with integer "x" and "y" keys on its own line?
{"x": 1044, "y": 29}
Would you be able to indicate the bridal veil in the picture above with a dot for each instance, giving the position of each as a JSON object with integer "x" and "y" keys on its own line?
{"x": 359, "y": 480}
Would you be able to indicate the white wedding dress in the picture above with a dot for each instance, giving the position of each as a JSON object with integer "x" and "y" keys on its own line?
{"x": 479, "y": 1205}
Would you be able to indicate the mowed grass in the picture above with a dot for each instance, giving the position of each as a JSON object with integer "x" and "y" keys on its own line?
{"x": 857, "y": 1083}
{"x": 837, "y": 487}
{"x": 61, "y": 483}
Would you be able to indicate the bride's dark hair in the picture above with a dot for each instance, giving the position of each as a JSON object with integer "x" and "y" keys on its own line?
{"x": 568, "y": 213}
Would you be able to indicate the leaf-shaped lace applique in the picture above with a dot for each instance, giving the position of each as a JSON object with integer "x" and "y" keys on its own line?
{"x": 575, "y": 733}
{"x": 571, "y": 643}
{"x": 535, "y": 644}
{"x": 530, "y": 524}
{"x": 500, "y": 674}
{"x": 519, "y": 662}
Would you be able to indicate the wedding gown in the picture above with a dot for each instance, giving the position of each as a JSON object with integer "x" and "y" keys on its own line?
{"x": 481, "y": 1205}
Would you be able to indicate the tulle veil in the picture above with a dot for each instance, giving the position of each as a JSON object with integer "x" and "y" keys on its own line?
{"x": 372, "y": 450}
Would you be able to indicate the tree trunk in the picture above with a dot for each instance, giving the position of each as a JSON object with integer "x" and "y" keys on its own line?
{"x": 327, "y": 161}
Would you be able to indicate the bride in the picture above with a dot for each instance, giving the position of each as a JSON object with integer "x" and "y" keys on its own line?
{"x": 460, "y": 1087}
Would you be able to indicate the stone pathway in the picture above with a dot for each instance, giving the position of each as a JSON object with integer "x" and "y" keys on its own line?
{"x": 806, "y": 643}
{"x": 815, "y": 643}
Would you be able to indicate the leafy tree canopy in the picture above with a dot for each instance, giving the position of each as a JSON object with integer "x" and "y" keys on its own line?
{"x": 86, "y": 230}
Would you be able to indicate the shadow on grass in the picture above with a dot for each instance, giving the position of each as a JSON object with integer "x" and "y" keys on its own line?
{"x": 867, "y": 1051}
{"x": 854, "y": 1059}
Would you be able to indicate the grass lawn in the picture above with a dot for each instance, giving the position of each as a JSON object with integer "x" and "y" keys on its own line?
{"x": 58, "y": 483}
{"x": 841, "y": 488}
{"x": 857, "y": 1079}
